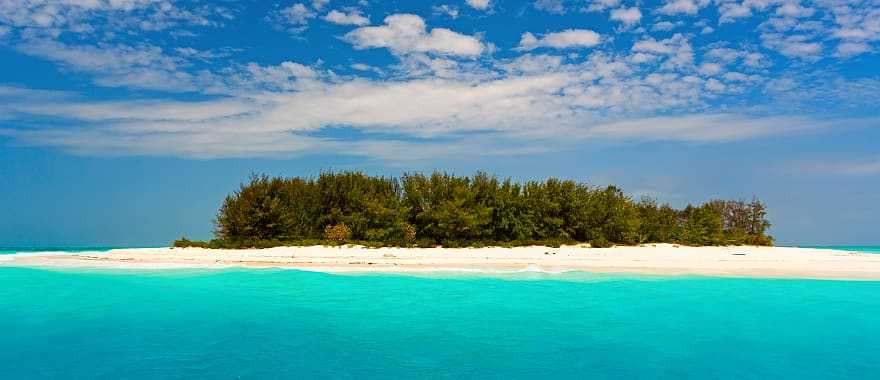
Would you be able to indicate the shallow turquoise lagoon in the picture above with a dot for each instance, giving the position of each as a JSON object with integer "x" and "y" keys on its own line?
{"x": 11, "y": 251}
{"x": 293, "y": 324}
{"x": 855, "y": 248}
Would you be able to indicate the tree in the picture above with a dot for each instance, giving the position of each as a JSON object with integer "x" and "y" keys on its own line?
{"x": 456, "y": 210}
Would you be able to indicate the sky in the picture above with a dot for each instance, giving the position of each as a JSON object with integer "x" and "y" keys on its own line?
{"x": 126, "y": 122}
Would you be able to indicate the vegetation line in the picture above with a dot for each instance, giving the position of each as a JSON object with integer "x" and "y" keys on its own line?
{"x": 458, "y": 211}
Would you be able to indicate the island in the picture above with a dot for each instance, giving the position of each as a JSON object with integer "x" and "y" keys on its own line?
{"x": 352, "y": 222}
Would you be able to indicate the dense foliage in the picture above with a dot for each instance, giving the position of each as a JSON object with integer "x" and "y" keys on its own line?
{"x": 453, "y": 211}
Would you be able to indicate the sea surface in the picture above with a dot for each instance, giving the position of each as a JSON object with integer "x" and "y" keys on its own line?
{"x": 37, "y": 250}
{"x": 30, "y": 250}
{"x": 272, "y": 323}
{"x": 855, "y": 248}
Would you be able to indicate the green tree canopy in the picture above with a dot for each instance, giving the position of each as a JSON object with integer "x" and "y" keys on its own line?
{"x": 449, "y": 210}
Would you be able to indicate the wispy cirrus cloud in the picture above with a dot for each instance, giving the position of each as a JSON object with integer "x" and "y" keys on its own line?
{"x": 141, "y": 66}
{"x": 856, "y": 167}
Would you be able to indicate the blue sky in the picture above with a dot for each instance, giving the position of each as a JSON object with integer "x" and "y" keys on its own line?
{"x": 125, "y": 122}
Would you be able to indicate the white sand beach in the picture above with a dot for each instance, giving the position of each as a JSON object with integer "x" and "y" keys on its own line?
{"x": 655, "y": 259}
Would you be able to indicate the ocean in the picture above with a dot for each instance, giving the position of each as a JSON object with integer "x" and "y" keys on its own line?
{"x": 854, "y": 248}
{"x": 272, "y": 323}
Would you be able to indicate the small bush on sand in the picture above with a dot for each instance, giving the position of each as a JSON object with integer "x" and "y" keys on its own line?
{"x": 338, "y": 233}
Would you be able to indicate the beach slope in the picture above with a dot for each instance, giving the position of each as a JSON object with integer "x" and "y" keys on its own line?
{"x": 655, "y": 259}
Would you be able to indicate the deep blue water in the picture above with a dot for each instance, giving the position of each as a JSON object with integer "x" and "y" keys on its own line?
{"x": 293, "y": 324}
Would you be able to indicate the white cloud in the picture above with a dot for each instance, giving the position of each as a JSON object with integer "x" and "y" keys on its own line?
{"x": 12, "y": 94}
{"x": 749, "y": 59}
{"x": 663, "y": 26}
{"x": 284, "y": 77}
{"x": 532, "y": 101}
{"x": 832, "y": 166}
{"x": 677, "y": 48}
{"x": 703, "y": 127}
{"x": 352, "y": 17}
{"x": 793, "y": 28}
{"x": 297, "y": 14}
{"x": 793, "y": 9}
{"x": 794, "y": 46}
{"x": 445, "y": 9}
{"x": 479, "y": 4}
{"x": 527, "y": 104}
{"x": 202, "y": 55}
{"x": 642, "y": 58}
{"x": 407, "y": 33}
{"x": 628, "y": 16}
{"x": 247, "y": 129}
{"x": 365, "y": 67}
{"x": 827, "y": 93}
{"x": 318, "y": 4}
{"x": 552, "y": 6}
{"x": 856, "y": 25}
{"x": 566, "y": 39}
{"x": 294, "y": 18}
{"x": 149, "y": 67}
{"x": 431, "y": 101}
{"x": 141, "y": 66}
{"x": 534, "y": 64}
{"x": 715, "y": 85}
{"x": 710, "y": 69}
{"x": 689, "y": 7}
{"x": 601, "y": 5}
{"x": 849, "y": 49}
{"x": 45, "y": 13}
{"x": 740, "y": 77}
{"x": 51, "y": 17}
{"x": 651, "y": 45}
{"x": 729, "y": 11}
{"x": 145, "y": 111}
{"x": 755, "y": 60}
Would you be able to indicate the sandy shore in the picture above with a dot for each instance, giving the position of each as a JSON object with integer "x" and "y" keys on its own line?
{"x": 660, "y": 259}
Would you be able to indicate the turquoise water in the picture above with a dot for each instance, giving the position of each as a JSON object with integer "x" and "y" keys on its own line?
{"x": 857, "y": 248}
{"x": 293, "y": 324}
{"x": 4, "y": 251}
{"x": 14, "y": 250}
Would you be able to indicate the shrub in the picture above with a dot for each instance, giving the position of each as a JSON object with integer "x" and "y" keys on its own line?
{"x": 184, "y": 243}
{"x": 600, "y": 242}
{"x": 409, "y": 233}
{"x": 338, "y": 233}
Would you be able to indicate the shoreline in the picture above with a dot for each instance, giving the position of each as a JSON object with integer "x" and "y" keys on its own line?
{"x": 651, "y": 259}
